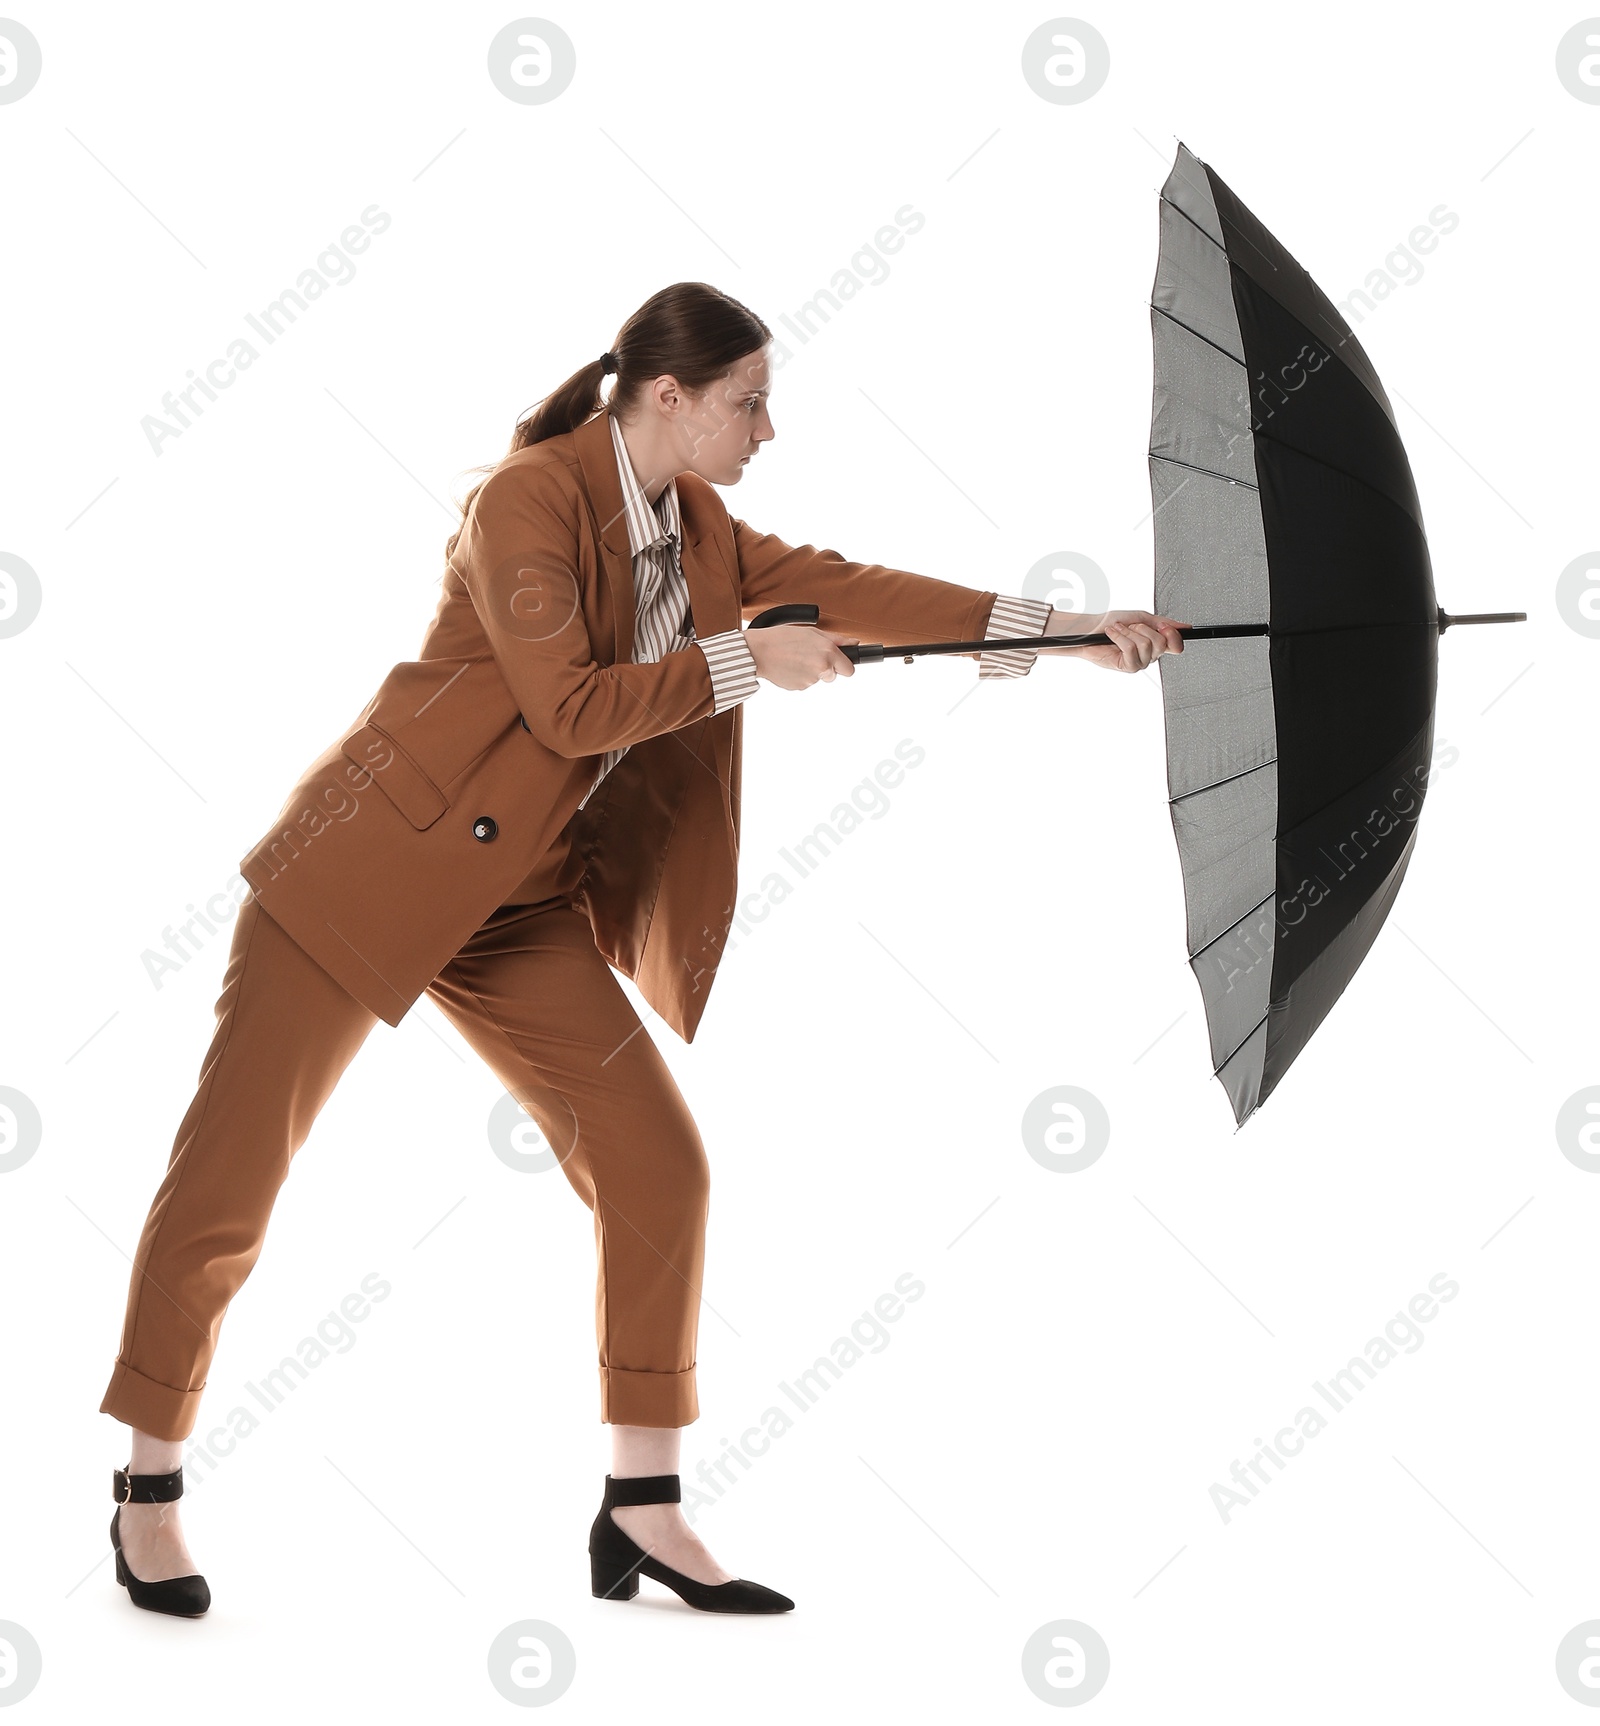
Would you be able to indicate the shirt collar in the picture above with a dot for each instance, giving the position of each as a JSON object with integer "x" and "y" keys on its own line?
{"x": 647, "y": 526}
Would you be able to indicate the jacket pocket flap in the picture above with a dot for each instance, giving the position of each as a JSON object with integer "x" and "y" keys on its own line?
{"x": 400, "y": 779}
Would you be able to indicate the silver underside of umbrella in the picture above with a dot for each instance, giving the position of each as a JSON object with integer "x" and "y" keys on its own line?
{"x": 1211, "y": 567}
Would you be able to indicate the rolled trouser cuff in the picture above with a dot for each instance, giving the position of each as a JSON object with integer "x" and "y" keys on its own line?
{"x": 159, "y": 1409}
{"x": 648, "y": 1398}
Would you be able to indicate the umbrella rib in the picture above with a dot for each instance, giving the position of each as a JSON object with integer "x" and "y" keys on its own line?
{"x": 1228, "y": 781}
{"x": 1231, "y": 927}
{"x": 1178, "y": 209}
{"x": 1206, "y": 470}
{"x": 1219, "y": 244}
{"x": 1217, "y": 1071}
{"x": 1161, "y": 312}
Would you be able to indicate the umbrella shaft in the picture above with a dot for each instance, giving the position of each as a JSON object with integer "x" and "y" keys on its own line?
{"x": 859, "y": 654}
{"x": 1199, "y": 632}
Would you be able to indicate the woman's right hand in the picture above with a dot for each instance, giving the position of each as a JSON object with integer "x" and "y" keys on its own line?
{"x": 796, "y": 655}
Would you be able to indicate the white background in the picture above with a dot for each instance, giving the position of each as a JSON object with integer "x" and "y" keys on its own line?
{"x": 1039, "y": 1435}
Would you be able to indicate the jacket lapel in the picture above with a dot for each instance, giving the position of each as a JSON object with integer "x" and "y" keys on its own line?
{"x": 713, "y": 597}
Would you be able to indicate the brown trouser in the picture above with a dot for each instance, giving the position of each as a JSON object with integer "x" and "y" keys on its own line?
{"x": 532, "y": 994}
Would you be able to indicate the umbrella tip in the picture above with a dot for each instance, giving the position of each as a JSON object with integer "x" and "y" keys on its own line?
{"x": 1446, "y": 620}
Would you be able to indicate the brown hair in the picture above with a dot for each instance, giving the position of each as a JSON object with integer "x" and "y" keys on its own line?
{"x": 691, "y": 329}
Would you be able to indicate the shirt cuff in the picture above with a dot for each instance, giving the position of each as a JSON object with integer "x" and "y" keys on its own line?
{"x": 1011, "y": 615}
{"x": 733, "y": 667}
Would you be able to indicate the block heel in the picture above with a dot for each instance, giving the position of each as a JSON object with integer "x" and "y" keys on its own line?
{"x": 609, "y": 1582}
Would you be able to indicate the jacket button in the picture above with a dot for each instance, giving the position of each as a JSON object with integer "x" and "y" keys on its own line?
{"x": 484, "y": 828}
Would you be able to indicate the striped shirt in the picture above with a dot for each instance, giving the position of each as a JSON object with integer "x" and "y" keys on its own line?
{"x": 661, "y": 606}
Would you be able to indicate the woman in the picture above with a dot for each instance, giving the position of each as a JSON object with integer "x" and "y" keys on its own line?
{"x": 550, "y": 790}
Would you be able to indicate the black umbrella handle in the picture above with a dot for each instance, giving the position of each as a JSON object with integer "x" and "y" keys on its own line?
{"x": 860, "y": 654}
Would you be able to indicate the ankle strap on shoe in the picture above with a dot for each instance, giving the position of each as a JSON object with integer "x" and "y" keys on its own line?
{"x": 643, "y": 1489}
{"x": 146, "y": 1488}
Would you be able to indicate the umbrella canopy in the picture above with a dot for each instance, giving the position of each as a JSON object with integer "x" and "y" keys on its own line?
{"x": 1297, "y": 760}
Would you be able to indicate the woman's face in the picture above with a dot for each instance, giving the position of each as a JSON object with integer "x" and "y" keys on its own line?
{"x": 720, "y": 435}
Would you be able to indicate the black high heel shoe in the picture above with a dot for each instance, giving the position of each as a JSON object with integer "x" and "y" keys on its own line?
{"x": 185, "y": 1596}
{"x": 616, "y": 1562}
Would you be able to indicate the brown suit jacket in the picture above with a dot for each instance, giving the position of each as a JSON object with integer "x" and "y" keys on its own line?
{"x": 451, "y": 783}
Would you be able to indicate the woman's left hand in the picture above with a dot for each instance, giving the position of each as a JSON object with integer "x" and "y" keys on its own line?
{"x": 1137, "y": 637}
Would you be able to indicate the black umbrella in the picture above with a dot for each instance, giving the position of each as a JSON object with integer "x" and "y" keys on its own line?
{"x": 1287, "y": 529}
